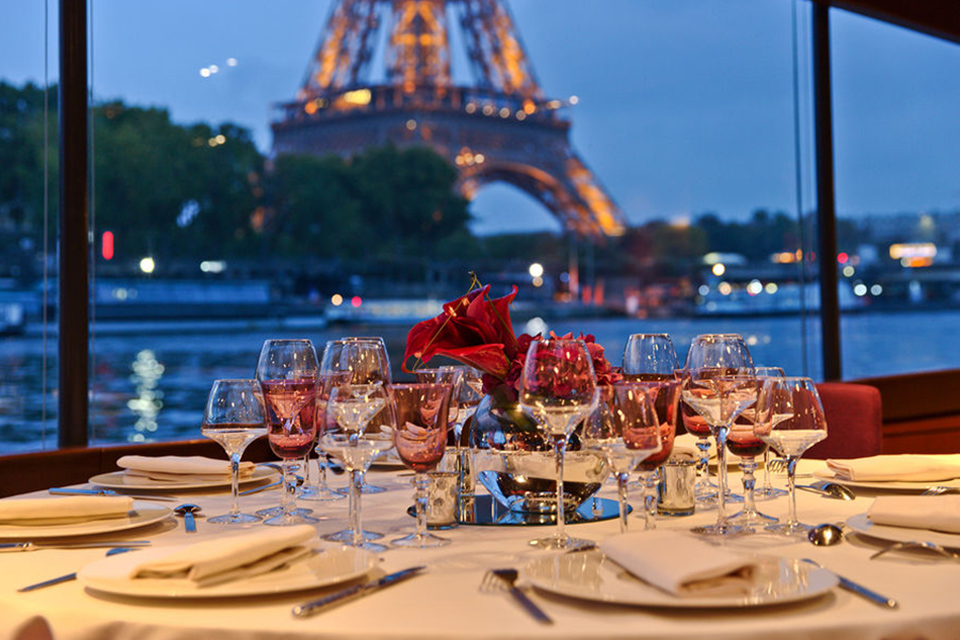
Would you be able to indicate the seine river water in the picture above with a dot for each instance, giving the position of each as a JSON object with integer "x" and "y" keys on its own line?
{"x": 150, "y": 381}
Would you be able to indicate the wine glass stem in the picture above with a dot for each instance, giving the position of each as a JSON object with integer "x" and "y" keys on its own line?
{"x": 703, "y": 465}
{"x": 559, "y": 444}
{"x": 289, "y": 488}
{"x": 792, "y": 490}
{"x": 649, "y": 480}
{"x": 356, "y": 532}
{"x": 622, "y": 480}
{"x": 767, "y": 484}
{"x": 722, "y": 475}
{"x": 235, "y": 482}
{"x": 747, "y": 468}
{"x": 322, "y": 474}
{"x": 421, "y": 482}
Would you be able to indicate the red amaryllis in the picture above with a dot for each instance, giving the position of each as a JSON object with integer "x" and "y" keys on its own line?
{"x": 472, "y": 329}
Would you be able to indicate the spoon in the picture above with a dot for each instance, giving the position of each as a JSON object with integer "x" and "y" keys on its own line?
{"x": 187, "y": 510}
{"x": 830, "y": 490}
{"x": 825, "y": 535}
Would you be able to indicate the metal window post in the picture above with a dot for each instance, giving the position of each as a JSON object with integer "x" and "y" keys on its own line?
{"x": 74, "y": 306}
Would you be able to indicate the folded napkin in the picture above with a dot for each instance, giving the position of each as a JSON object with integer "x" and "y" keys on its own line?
{"x": 40, "y": 511}
{"x": 180, "y": 468}
{"x": 936, "y": 513}
{"x": 229, "y": 558}
{"x": 682, "y": 565}
{"x": 905, "y": 468}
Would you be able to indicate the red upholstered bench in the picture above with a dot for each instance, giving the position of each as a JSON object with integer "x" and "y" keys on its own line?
{"x": 854, "y": 415}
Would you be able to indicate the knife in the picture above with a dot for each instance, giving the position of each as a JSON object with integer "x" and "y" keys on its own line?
{"x": 860, "y": 590}
{"x": 309, "y": 608}
{"x": 108, "y": 492}
{"x": 68, "y": 577}
{"x": 36, "y": 546}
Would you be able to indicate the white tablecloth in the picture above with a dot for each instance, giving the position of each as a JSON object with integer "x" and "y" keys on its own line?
{"x": 445, "y": 602}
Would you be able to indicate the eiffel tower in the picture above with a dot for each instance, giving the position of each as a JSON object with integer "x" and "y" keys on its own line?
{"x": 499, "y": 128}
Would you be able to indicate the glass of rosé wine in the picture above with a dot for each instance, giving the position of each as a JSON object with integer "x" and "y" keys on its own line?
{"x": 664, "y": 397}
{"x": 420, "y": 439}
{"x": 234, "y": 416}
{"x": 287, "y": 371}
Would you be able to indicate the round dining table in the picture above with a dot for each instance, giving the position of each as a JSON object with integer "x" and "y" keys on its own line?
{"x": 446, "y": 601}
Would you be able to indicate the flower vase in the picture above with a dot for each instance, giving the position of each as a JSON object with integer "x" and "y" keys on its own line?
{"x": 515, "y": 462}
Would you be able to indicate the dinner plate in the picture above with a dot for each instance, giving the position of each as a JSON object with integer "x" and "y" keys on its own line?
{"x": 591, "y": 576}
{"x": 143, "y": 513}
{"x": 826, "y": 474}
{"x": 328, "y": 567}
{"x": 119, "y": 480}
{"x": 862, "y": 524}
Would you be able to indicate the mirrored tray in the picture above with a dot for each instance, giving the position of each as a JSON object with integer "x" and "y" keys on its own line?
{"x": 484, "y": 510}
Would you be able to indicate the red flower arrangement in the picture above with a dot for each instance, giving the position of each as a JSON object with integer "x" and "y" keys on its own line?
{"x": 477, "y": 331}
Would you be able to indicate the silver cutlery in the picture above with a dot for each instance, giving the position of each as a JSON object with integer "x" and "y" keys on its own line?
{"x": 70, "y": 576}
{"x": 859, "y": 589}
{"x": 186, "y": 510}
{"x": 825, "y": 535}
{"x": 829, "y": 490}
{"x": 916, "y": 544}
{"x": 69, "y": 491}
{"x": 500, "y": 579}
{"x": 939, "y": 489}
{"x": 314, "y": 606}
{"x": 36, "y": 546}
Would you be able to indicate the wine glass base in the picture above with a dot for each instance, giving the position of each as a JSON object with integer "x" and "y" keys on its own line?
{"x": 418, "y": 541}
{"x": 790, "y": 529}
{"x": 369, "y": 546}
{"x": 275, "y": 511}
{"x": 769, "y": 494}
{"x": 565, "y": 543}
{"x": 365, "y": 489}
{"x": 321, "y": 495}
{"x": 235, "y": 518}
{"x": 718, "y": 530}
{"x": 346, "y": 535}
{"x": 751, "y": 518}
{"x": 289, "y": 520}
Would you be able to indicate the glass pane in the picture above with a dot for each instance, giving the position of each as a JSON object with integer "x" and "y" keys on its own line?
{"x": 216, "y": 228}
{"x": 28, "y": 227}
{"x": 897, "y": 135}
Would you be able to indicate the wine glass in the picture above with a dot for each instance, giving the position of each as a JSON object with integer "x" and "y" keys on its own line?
{"x": 649, "y": 356}
{"x": 558, "y": 388}
{"x": 234, "y": 416}
{"x": 665, "y": 397}
{"x": 719, "y": 384}
{"x": 767, "y": 491}
{"x": 349, "y": 412}
{"x": 287, "y": 371}
{"x": 790, "y": 419}
{"x": 366, "y": 359}
{"x": 630, "y": 434}
{"x": 319, "y": 491}
{"x": 448, "y": 375}
{"x": 420, "y": 438}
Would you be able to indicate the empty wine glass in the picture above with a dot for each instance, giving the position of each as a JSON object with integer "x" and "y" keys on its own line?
{"x": 420, "y": 438}
{"x": 349, "y": 412}
{"x": 719, "y": 384}
{"x": 234, "y": 416}
{"x": 767, "y": 491}
{"x": 287, "y": 371}
{"x": 558, "y": 389}
{"x": 319, "y": 491}
{"x": 630, "y": 434}
{"x": 649, "y": 357}
{"x": 790, "y": 419}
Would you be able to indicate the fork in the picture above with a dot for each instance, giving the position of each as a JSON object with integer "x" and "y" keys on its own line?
{"x": 500, "y": 579}
{"x": 915, "y": 544}
{"x": 937, "y": 490}
{"x": 777, "y": 465}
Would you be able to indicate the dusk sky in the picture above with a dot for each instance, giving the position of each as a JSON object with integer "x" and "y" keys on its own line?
{"x": 685, "y": 106}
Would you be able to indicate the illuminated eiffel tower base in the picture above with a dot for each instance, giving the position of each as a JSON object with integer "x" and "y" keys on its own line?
{"x": 500, "y": 128}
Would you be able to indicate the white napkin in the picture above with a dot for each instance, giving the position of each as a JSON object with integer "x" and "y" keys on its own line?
{"x": 905, "y": 468}
{"x": 39, "y": 511}
{"x": 680, "y": 564}
{"x": 231, "y": 557}
{"x": 936, "y": 513}
{"x": 180, "y": 468}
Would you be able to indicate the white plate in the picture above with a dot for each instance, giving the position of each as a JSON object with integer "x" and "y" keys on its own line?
{"x": 119, "y": 480}
{"x": 330, "y": 566}
{"x": 143, "y": 513}
{"x": 826, "y": 474}
{"x": 591, "y": 576}
{"x": 862, "y": 524}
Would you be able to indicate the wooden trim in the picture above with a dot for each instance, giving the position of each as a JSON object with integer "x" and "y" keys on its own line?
{"x": 938, "y": 18}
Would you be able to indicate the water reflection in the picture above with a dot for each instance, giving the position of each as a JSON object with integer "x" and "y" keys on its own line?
{"x": 148, "y": 402}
